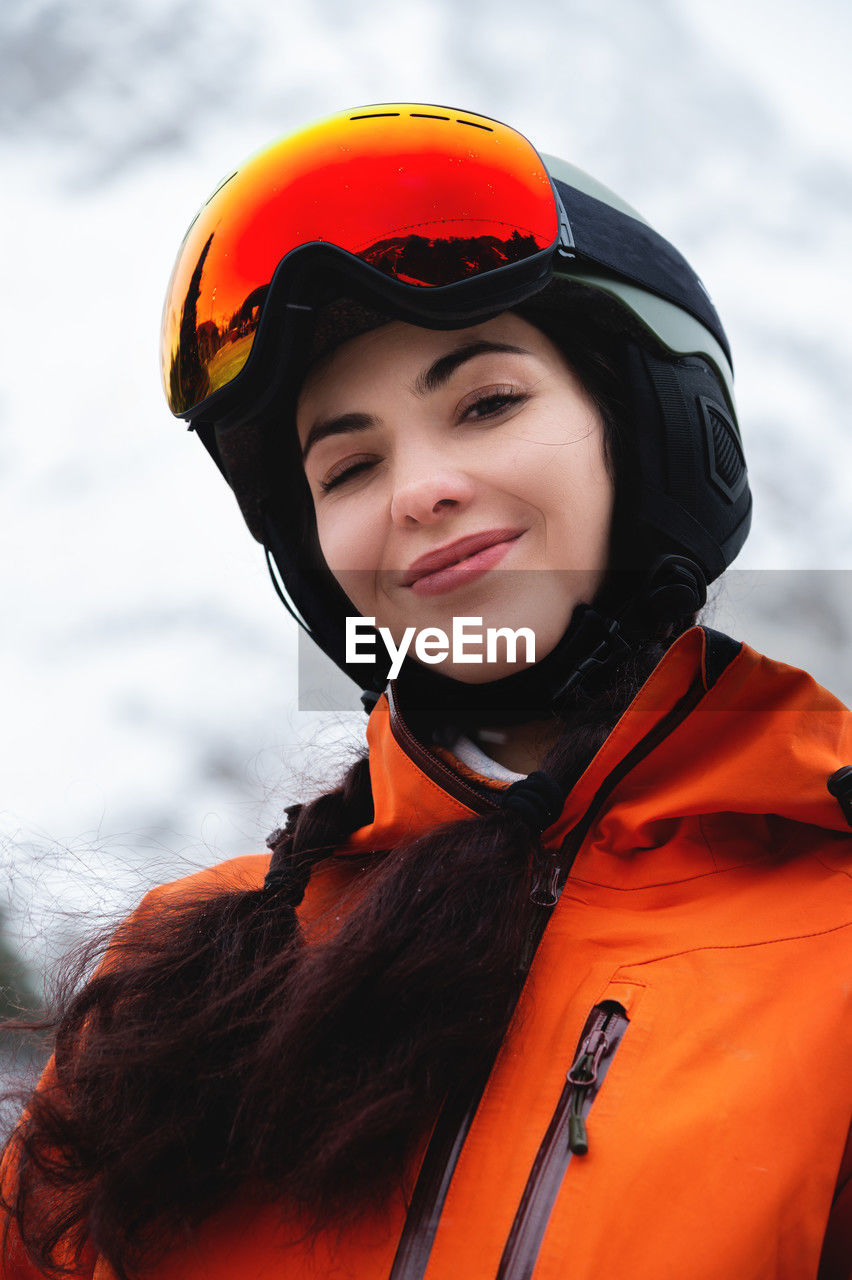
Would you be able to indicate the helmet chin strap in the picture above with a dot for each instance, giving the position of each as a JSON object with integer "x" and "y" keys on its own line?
{"x": 597, "y": 639}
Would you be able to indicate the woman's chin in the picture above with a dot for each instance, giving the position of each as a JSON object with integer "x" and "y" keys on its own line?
{"x": 522, "y": 650}
{"x": 483, "y": 673}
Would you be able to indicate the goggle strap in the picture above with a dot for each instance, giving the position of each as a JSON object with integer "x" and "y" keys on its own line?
{"x": 565, "y": 244}
{"x": 611, "y": 239}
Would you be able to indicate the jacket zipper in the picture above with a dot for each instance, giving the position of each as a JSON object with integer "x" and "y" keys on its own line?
{"x": 433, "y": 1181}
{"x": 451, "y": 1129}
{"x": 481, "y": 800}
{"x": 566, "y": 1136}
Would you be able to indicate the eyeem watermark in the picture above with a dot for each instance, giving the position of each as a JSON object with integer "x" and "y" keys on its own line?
{"x": 432, "y": 645}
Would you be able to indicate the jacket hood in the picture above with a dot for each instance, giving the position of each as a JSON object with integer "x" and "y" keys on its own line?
{"x": 760, "y": 742}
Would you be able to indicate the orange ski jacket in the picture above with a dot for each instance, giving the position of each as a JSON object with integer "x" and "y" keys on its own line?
{"x": 672, "y": 1100}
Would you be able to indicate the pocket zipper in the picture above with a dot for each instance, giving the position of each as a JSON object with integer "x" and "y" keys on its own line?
{"x": 566, "y": 1136}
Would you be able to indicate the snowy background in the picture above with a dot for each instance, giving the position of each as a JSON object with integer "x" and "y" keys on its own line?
{"x": 148, "y": 671}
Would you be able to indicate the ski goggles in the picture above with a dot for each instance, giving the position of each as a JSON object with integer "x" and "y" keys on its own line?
{"x": 443, "y": 214}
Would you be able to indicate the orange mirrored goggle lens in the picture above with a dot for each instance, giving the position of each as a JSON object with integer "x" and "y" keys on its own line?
{"x": 427, "y": 195}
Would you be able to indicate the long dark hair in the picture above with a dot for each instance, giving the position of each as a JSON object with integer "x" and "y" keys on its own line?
{"x": 225, "y": 1045}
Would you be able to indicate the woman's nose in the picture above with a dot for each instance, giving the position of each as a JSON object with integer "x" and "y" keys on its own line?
{"x": 427, "y": 497}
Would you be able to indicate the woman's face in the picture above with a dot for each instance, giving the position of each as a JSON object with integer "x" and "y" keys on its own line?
{"x": 458, "y": 474}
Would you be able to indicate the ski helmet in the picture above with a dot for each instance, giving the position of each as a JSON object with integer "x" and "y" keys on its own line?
{"x": 445, "y": 218}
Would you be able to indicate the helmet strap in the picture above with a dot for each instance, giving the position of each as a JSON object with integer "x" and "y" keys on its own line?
{"x": 598, "y": 639}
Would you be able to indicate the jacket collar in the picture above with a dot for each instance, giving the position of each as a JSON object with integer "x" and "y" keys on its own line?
{"x": 716, "y": 729}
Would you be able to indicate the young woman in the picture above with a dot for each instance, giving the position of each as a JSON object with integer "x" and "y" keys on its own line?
{"x": 555, "y": 980}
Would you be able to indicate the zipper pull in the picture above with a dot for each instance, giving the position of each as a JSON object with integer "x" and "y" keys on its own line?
{"x": 545, "y": 891}
{"x": 578, "y": 1138}
{"x": 583, "y": 1074}
{"x": 545, "y": 895}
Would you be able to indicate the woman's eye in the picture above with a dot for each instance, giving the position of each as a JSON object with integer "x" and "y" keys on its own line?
{"x": 345, "y": 474}
{"x": 491, "y": 403}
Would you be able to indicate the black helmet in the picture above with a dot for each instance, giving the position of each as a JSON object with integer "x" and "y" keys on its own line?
{"x": 444, "y": 218}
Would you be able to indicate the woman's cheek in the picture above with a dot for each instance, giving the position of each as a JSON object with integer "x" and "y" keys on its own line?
{"x": 350, "y": 551}
{"x": 332, "y": 545}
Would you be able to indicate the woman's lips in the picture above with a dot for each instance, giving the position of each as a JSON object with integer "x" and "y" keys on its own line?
{"x": 463, "y": 571}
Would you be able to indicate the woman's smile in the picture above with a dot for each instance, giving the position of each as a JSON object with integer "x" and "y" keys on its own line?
{"x": 459, "y": 563}
{"x": 456, "y": 473}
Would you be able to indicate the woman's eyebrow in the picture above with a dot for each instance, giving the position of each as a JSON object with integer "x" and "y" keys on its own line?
{"x": 336, "y": 426}
{"x": 445, "y": 366}
{"x": 431, "y": 379}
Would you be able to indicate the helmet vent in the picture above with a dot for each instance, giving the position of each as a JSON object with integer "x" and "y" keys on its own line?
{"x": 727, "y": 464}
{"x": 414, "y": 115}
